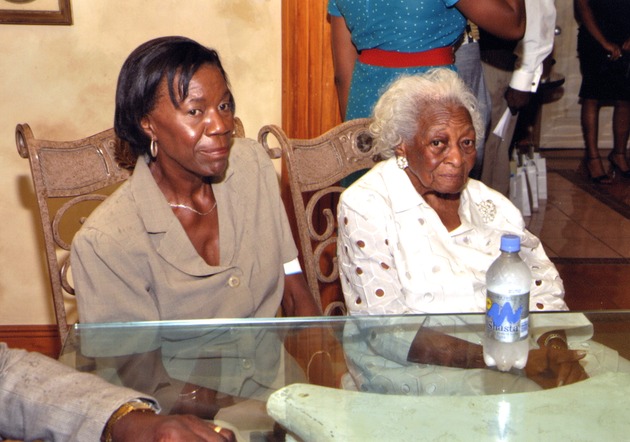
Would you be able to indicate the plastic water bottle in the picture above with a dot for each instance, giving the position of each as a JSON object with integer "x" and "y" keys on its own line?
{"x": 508, "y": 281}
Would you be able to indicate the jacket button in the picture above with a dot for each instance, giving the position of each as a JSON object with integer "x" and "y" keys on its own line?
{"x": 234, "y": 281}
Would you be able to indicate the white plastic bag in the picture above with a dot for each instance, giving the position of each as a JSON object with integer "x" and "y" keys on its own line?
{"x": 532, "y": 184}
{"x": 541, "y": 173}
{"x": 519, "y": 192}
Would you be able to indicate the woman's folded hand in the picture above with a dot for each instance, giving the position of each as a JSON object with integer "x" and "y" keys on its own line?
{"x": 553, "y": 367}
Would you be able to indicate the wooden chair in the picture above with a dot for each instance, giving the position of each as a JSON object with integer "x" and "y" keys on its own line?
{"x": 314, "y": 168}
{"x": 70, "y": 179}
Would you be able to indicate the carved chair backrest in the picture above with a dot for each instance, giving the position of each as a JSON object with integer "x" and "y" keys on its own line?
{"x": 314, "y": 168}
{"x": 70, "y": 179}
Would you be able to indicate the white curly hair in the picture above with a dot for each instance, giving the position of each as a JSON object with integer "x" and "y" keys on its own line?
{"x": 397, "y": 111}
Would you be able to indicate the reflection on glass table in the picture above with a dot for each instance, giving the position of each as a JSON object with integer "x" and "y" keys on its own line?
{"x": 351, "y": 378}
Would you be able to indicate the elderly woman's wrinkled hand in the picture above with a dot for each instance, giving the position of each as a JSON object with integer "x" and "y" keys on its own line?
{"x": 553, "y": 367}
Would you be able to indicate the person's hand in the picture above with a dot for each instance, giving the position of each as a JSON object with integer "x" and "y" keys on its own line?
{"x": 200, "y": 401}
{"x": 613, "y": 50}
{"x": 553, "y": 367}
{"x": 138, "y": 426}
{"x": 517, "y": 100}
{"x": 297, "y": 299}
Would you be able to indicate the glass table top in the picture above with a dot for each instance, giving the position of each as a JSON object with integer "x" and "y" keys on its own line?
{"x": 349, "y": 378}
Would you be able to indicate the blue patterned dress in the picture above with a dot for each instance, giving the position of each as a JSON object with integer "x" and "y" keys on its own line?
{"x": 393, "y": 25}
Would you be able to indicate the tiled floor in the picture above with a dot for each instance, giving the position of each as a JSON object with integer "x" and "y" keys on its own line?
{"x": 585, "y": 229}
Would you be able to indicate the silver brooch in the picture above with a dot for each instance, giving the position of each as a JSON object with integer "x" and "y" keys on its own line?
{"x": 488, "y": 210}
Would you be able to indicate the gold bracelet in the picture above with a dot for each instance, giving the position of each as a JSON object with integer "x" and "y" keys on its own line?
{"x": 123, "y": 411}
{"x": 553, "y": 336}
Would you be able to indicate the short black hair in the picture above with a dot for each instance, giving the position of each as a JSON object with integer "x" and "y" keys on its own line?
{"x": 141, "y": 74}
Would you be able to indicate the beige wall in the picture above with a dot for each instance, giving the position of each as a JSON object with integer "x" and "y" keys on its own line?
{"x": 61, "y": 80}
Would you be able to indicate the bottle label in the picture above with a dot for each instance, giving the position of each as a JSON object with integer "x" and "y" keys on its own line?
{"x": 507, "y": 317}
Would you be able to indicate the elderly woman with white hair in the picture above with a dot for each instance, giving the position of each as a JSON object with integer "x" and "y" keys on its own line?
{"x": 416, "y": 234}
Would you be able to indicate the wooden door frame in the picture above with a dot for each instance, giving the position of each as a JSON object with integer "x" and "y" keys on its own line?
{"x": 309, "y": 98}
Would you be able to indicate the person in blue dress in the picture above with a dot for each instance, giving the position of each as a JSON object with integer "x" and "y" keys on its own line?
{"x": 374, "y": 42}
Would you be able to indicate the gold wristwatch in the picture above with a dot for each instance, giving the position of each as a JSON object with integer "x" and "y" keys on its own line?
{"x": 123, "y": 411}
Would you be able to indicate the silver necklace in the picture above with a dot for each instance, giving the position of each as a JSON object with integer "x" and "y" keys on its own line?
{"x": 192, "y": 209}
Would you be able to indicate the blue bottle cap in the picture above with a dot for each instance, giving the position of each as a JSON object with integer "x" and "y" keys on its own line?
{"x": 510, "y": 243}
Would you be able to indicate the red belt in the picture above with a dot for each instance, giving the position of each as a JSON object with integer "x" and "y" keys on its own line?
{"x": 392, "y": 59}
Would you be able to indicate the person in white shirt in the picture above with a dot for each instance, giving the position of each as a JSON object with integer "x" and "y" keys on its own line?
{"x": 513, "y": 90}
{"x": 416, "y": 234}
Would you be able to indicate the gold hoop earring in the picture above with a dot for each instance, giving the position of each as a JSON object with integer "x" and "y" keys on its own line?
{"x": 153, "y": 148}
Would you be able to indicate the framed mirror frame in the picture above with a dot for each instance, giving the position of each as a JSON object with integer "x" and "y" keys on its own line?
{"x": 60, "y": 16}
